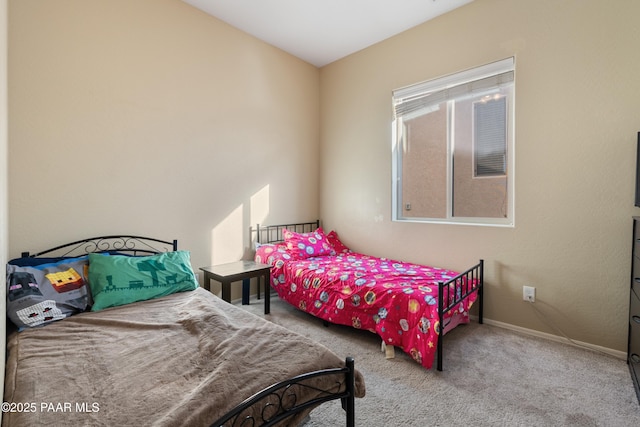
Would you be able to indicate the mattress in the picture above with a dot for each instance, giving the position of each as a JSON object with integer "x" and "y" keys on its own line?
{"x": 396, "y": 300}
{"x": 183, "y": 359}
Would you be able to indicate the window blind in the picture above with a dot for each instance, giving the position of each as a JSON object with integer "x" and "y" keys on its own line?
{"x": 409, "y": 100}
{"x": 490, "y": 137}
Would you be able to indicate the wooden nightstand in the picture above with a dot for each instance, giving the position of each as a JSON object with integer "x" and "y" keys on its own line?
{"x": 236, "y": 271}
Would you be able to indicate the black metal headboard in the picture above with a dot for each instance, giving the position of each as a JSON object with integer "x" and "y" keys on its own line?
{"x": 131, "y": 245}
{"x": 273, "y": 233}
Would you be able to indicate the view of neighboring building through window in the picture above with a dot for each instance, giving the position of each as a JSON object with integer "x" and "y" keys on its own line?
{"x": 453, "y": 148}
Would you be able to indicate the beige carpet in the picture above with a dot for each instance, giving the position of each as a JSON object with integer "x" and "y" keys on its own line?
{"x": 491, "y": 377}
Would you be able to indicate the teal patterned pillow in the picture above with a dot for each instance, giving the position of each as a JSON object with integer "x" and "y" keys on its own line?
{"x": 117, "y": 280}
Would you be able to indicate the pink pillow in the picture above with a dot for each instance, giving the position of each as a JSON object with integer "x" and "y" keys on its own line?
{"x": 305, "y": 245}
{"x": 334, "y": 241}
{"x": 269, "y": 254}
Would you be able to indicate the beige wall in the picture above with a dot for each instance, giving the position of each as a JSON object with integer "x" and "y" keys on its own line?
{"x": 3, "y": 178}
{"x": 151, "y": 117}
{"x": 577, "y": 115}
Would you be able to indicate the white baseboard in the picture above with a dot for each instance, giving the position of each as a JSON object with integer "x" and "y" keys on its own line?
{"x": 615, "y": 353}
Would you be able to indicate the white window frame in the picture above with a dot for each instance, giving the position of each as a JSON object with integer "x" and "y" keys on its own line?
{"x": 437, "y": 86}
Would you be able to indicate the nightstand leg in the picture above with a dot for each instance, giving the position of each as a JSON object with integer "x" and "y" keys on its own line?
{"x": 207, "y": 281}
{"x": 245, "y": 291}
{"x": 259, "y": 278}
{"x": 267, "y": 293}
{"x": 226, "y": 291}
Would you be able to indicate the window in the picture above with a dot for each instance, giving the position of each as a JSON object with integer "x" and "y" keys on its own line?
{"x": 453, "y": 148}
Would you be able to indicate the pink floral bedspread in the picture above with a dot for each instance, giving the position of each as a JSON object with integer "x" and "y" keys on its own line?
{"x": 396, "y": 300}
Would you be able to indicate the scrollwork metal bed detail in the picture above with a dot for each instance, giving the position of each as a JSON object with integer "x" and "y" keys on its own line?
{"x": 279, "y": 401}
{"x": 460, "y": 287}
{"x": 132, "y": 245}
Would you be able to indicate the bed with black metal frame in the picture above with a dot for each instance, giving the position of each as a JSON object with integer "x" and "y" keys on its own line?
{"x": 289, "y": 399}
{"x": 464, "y": 284}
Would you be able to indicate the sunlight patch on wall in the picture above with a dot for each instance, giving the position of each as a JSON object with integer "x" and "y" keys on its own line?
{"x": 230, "y": 239}
{"x": 226, "y": 238}
{"x": 259, "y": 206}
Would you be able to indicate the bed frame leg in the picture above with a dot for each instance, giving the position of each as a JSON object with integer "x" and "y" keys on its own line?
{"x": 441, "y": 323}
{"x": 481, "y": 292}
{"x": 349, "y": 403}
{"x": 439, "y": 354}
{"x": 388, "y": 350}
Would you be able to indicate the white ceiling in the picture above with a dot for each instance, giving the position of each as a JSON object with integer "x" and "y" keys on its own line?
{"x": 322, "y": 31}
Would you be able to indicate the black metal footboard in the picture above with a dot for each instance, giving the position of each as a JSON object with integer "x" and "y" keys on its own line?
{"x": 460, "y": 287}
{"x": 280, "y": 401}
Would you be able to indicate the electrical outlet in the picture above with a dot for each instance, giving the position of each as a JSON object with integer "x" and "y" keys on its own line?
{"x": 529, "y": 293}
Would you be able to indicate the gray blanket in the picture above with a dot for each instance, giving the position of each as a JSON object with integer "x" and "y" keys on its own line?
{"x": 184, "y": 359}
